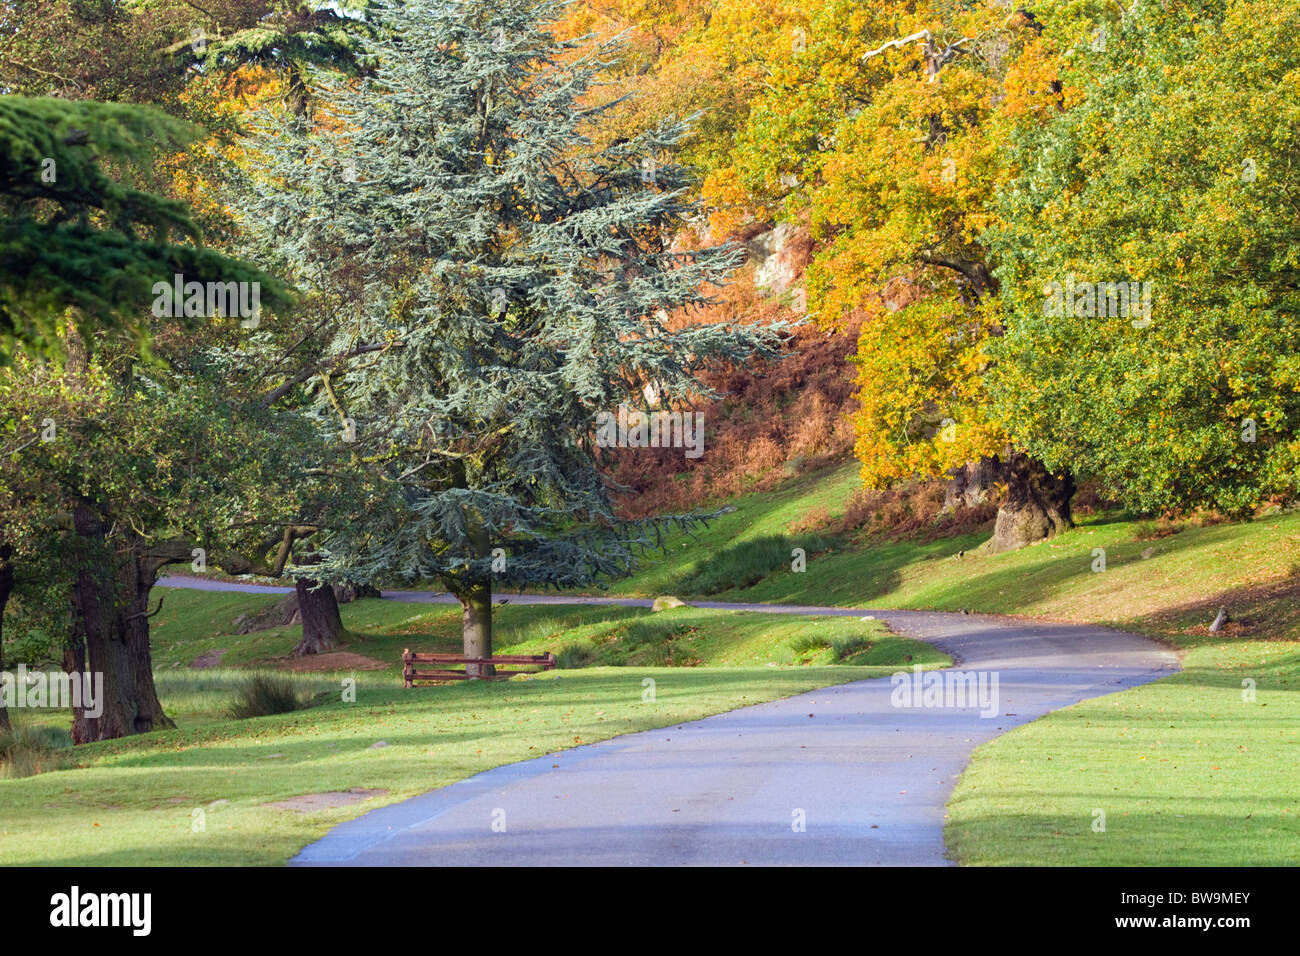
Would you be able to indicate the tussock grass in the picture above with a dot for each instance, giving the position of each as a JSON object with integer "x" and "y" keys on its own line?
{"x": 265, "y": 695}
{"x": 30, "y": 749}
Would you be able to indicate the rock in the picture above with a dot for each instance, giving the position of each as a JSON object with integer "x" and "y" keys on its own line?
{"x": 282, "y": 613}
{"x": 1148, "y": 552}
{"x": 780, "y": 256}
{"x": 1220, "y": 620}
{"x": 665, "y": 602}
{"x": 379, "y": 743}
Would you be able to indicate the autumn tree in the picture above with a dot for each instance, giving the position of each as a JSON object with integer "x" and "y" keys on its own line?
{"x": 879, "y": 127}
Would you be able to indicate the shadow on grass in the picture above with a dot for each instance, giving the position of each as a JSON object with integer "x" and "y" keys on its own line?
{"x": 1256, "y": 833}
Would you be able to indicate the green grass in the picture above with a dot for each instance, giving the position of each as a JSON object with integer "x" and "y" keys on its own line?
{"x": 617, "y": 635}
{"x": 1187, "y": 772}
{"x": 193, "y": 623}
{"x": 1172, "y": 594}
{"x": 134, "y": 801}
{"x": 692, "y": 637}
{"x": 749, "y": 562}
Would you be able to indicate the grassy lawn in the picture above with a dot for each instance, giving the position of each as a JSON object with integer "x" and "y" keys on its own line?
{"x": 1186, "y": 771}
{"x": 196, "y": 623}
{"x": 1254, "y": 568}
{"x": 134, "y": 801}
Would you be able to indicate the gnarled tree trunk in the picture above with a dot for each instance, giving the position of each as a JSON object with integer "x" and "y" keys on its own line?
{"x": 322, "y": 626}
{"x": 110, "y": 636}
{"x": 1037, "y": 504}
{"x": 973, "y": 483}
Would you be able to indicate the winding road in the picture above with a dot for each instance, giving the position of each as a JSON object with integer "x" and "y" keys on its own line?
{"x": 835, "y": 776}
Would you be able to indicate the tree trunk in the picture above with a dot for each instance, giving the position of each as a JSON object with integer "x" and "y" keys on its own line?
{"x": 973, "y": 483}
{"x": 6, "y": 588}
{"x": 1037, "y": 504}
{"x": 322, "y": 626}
{"x": 476, "y": 625}
{"x": 110, "y": 636}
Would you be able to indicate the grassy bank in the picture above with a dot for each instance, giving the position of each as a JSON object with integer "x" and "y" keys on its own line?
{"x": 1174, "y": 591}
{"x": 1186, "y": 770}
{"x": 206, "y": 793}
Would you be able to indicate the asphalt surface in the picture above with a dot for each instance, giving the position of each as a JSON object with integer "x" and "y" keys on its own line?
{"x": 856, "y": 774}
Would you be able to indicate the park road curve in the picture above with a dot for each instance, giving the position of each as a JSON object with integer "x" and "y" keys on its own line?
{"x": 837, "y": 776}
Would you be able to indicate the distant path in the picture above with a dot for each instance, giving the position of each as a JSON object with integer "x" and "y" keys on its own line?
{"x": 870, "y": 779}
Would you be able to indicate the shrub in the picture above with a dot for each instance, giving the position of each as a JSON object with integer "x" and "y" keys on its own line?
{"x": 809, "y": 642}
{"x": 1155, "y": 530}
{"x": 774, "y": 420}
{"x": 842, "y": 647}
{"x": 265, "y": 695}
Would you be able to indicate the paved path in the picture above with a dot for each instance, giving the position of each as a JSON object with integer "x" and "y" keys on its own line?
{"x": 869, "y": 779}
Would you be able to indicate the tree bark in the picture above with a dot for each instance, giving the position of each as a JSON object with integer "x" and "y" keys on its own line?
{"x": 322, "y": 626}
{"x": 1037, "y": 504}
{"x": 973, "y": 483}
{"x": 110, "y": 635}
{"x": 6, "y": 588}
{"x": 476, "y": 625}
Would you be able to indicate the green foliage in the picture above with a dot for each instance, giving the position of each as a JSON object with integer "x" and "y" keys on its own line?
{"x": 1174, "y": 165}
{"x": 488, "y": 282}
{"x": 148, "y": 51}
{"x": 574, "y": 656}
{"x": 79, "y": 247}
{"x": 809, "y": 642}
{"x": 842, "y": 647}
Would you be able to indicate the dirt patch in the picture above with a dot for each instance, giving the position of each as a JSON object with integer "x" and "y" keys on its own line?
{"x": 309, "y": 802}
{"x": 210, "y": 659}
{"x": 334, "y": 661}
